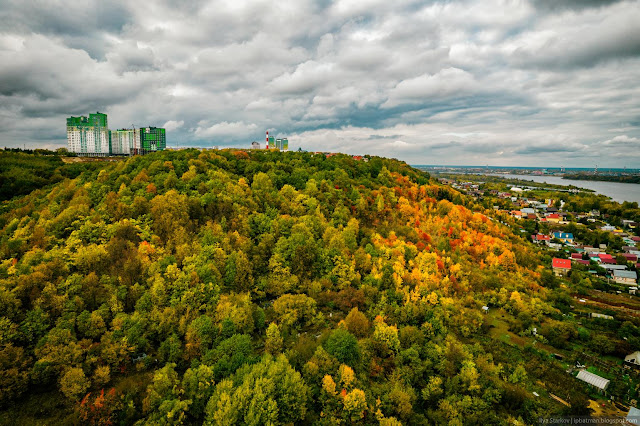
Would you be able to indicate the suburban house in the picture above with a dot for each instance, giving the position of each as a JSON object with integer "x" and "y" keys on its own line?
{"x": 564, "y": 237}
{"x": 561, "y": 266}
{"x": 577, "y": 257}
{"x": 541, "y": 238}
{"x": 607, "y": 258}
{"x": 553, "y": 217}
{"x": 633, "y": 359}
{"x": 625, "y": 277}
{"x": 610, "y": 267}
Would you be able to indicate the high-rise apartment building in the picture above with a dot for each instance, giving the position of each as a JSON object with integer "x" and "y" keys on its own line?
{"x": 123, "y": 141}
{"x": 150, "y": 139}
{"x": 89, "y": 136}
{"x": 282, "y": 144}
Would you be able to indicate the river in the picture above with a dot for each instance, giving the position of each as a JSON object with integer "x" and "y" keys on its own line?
{"x": 616, "y": 190}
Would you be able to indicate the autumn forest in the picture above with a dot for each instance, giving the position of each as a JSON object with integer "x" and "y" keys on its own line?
{"x": 234, "y": 287}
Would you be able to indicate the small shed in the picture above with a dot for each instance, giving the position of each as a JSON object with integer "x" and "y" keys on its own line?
{"x": 603, "y": 316}
{"x": 593, "y": 379}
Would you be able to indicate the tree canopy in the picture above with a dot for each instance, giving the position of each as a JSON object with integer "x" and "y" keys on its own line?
{"x": 268, "y": 287}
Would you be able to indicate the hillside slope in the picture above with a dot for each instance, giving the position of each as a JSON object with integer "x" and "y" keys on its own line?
{"x": 226, "y": 286}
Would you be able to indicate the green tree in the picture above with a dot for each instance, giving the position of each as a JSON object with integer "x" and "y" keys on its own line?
{"x": 273, "y": 343}
{"x": 198, "y": 385}
{"x": 344, "y": 346}
{"x": 162, "y": 403}
{"x": 270, "y": 392}
{"x": 294, "y": 309}
{"x": 74, "y": 383}
{"x": 357, "y": 323}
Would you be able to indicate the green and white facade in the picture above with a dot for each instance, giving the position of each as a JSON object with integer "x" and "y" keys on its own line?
{"x": 90, "y": 136}
{"x": 150, "y": 139}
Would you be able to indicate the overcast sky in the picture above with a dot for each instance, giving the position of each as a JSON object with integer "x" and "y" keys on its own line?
{"x": 499, "y": 82}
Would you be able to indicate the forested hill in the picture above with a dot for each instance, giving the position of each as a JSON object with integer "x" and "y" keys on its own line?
{"x": 252, "y": 287}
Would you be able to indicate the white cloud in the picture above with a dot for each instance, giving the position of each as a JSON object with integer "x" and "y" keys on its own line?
{"x": 173, "y": 125}
{"x": 447, "y": 82}
{"x": 623, "y": 141}
{"x": 225, "y": 128}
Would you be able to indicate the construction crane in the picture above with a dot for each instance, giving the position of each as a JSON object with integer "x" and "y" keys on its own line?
{"x": 133, "y": 127}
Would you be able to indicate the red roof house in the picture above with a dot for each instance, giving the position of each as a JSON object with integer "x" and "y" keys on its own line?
{"x": 576, "y": 256}
{"x": 538, "y": 238}
{"x": 561, "y": 266}
{"x": 561, "y": 263}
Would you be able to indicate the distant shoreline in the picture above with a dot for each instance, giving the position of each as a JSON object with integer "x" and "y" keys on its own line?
{"x": 533, "y": 169}
{"x": 632, "y": 178}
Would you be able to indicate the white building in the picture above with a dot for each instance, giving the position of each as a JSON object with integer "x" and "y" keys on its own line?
{"x": 89, "y": 136}
{"x": 625, "y": 277}
{"x": 123, "y": 141}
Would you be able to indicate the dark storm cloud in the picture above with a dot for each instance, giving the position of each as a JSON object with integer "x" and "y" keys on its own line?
{"x": 548, "y": 148}
{"x": 561, "y": 5}
{"x": 81, "y": 25}
{"x": 447, "y": 145}
{"x": 582, "y": 50}
{"x": 64, "y": 18}
{"x": 466, "y": 81}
